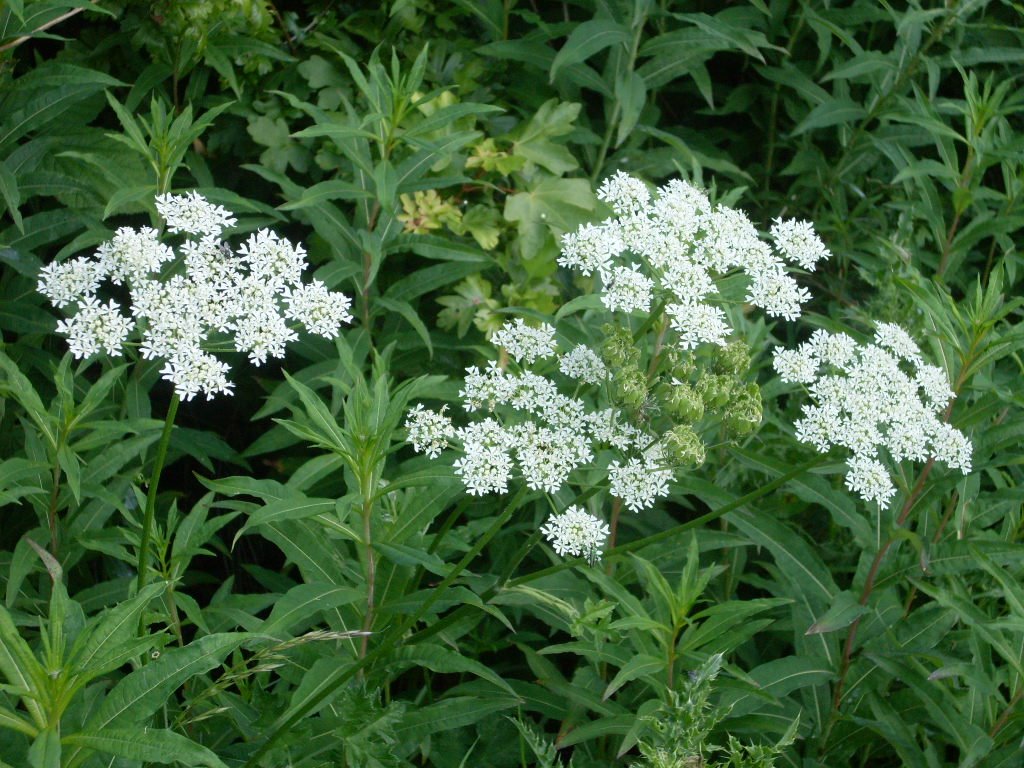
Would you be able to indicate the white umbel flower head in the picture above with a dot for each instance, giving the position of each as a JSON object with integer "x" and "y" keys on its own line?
{"x": 639, "y": 482}
{"x": 876, "y": 400}
{"x": 870, "y": 480}
{"x": 193, "y": 214}
{"x": 525, "y": 343}
{"x": 96, "y": 327}
{"x": 799, "y": 243}
{"x": 583, "y": 363}
{"x": 576, "y": 533}
{"x": 70, "y": 281}
{"x": 210, "y": 291}
{"x": 429, "y": 431}
{"x": 625, "y": 194}
{"x": 628, "y": 290}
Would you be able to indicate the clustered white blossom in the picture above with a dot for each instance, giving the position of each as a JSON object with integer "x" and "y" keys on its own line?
{"x": 178, "y": 301}
{"x": 529, "y": 430}
{"x": 576, "y": 533}
{"x": 672, "y": 245}
{"x": 874, "y": 398}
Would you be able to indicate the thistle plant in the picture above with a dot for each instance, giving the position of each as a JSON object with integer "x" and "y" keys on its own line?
{"x": 667, "y": 372}
{"x": 185, "y": 305}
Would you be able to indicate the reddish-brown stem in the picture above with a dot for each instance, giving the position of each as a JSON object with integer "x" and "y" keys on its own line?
{"x": 1005, "y": 717}
{"x": 869, "y": 582}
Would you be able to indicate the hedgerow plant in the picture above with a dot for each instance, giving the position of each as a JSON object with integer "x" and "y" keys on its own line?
{"x": 703, "y": 495}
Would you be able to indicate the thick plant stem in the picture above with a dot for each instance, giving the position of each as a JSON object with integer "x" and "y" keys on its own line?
{"x": 154, "y": 483}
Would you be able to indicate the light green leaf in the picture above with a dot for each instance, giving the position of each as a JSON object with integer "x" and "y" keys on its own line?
{"x": 844, "y": 611}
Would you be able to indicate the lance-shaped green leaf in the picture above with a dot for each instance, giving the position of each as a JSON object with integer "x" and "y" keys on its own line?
{"x": 22, "y": 670}
{"x": 844, "y": 611}
{"x": 150, "y": 745}
{"x": 640, "y": 665}
{"x": 96, "y": 651}
{"x": 585, "y": 40}
{"x": 304, "y": 601}
{"x": 438, "y": 659}
{"x": 135, "y": 698}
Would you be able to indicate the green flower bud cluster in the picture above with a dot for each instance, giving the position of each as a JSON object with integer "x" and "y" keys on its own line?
{"x": 685, "y": 403}
{"x": 684, "y": 447}
{"x": 619, "y": 350}
{"x": 630, "y": 385}
{"x": 743, "y": 413}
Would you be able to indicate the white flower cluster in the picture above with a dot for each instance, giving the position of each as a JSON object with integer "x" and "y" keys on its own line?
{"x": 673, "y": 245}
{"x": 177, "y": 303}
{"x": 533, "y": 431}
{"x": 871, "y": 398}
{"x": 576, "y": 533}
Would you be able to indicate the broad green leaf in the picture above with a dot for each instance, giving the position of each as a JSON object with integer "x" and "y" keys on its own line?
{"x": 439, "y": 659}
{"x": 585, "y": 40}
{"x": 306, "y": 601}
{"x": 835, "y": 111}
{"x": 151, "y": 745}
{"x": 448, "y": 714}
{"x": 12, "y": 721}
{"x": 297, "y": 507}
{"x": 640, "y": 665}
{"x": 45, "y": 751}
{"x": 9, "y": 193}
{"x": 97, "y": 648}
{"x": 138, "y": 695}
{"x": 803, "y": 567}
{"x": 21, "y": 669}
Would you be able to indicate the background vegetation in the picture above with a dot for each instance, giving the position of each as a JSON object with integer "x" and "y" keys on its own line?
{"x": 430, "y": 154}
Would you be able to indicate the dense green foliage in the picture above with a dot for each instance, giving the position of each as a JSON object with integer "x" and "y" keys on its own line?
{"x": 312, "y": 592}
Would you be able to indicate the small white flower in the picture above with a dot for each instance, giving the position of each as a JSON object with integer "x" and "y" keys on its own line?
{"x": 320, "y": 310}
{"x": 935, "y": 383}
{"x": 96, "y": 327}
{"x": 798, "y": 242}
{"x": 525, "y": 343}
{"x": 576, "y": 533}
{"x": 795, "y": 366}
{"x": 869, "y": 479}
{"x": 624, "y": 193}
{"x": 191, "y": 371}
{"x": 698, "y": 323}
{"x": 895, "y": 338}
{"x": 591, "y": 248}
{"x": 429, "y": 431}
{"x": 273, "y": 260}
{"x": 638, "y": 483}
{"x": 485, "y": 465}
{"x": 628, "y": 290}
{"x": 70, "y": 281}
{"x": 132, "y": 254}
{"x": 583, "y": 363}
{"x": 192, "y": 214}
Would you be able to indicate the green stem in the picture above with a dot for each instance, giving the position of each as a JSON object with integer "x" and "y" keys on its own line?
{"x": 154, "y": 483}
{"x": 335, "y": 680}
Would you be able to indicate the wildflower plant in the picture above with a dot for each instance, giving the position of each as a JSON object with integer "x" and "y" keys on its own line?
{"x": 666, "y": 374}
{"x": 185, "y": 305}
